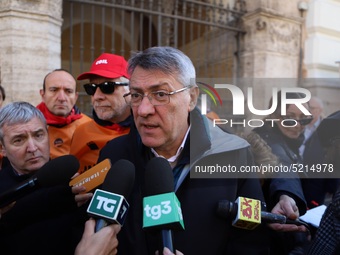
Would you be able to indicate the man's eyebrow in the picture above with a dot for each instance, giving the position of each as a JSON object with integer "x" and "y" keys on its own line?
{"x": 154, "y": 86}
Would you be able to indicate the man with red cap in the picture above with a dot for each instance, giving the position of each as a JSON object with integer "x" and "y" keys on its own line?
{"x": 108, "y": 82}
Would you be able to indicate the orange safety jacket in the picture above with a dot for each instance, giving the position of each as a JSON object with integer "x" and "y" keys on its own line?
{"x": 60, "y": 137}
{"x": 88, "y": 139}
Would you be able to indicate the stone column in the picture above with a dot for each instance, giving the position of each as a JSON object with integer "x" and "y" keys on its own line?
{"x": 30, "y": 39}
{"x": 270, "y": 48}
{"x": 272, "y": 43}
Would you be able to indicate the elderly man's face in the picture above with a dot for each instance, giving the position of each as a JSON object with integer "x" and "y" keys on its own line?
{"x": 26, "y": 145}
{"x": 161, "y": 127}
{"x": 110, "y": 107}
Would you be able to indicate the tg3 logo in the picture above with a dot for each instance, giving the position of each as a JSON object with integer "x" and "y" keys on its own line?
{"x": 156, "y": 211}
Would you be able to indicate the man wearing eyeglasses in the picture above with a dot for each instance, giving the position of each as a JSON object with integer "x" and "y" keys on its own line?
{"x": 163, "y": 95}
{"x": 59, "y": 97}
{"x": 108, "y": 82}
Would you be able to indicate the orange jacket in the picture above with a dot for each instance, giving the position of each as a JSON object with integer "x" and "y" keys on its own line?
{"x": 60, "y": 137}
{"x": 87, "y": 141}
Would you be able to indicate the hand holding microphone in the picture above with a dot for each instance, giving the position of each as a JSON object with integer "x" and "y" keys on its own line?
{"x": 108, "y": 204}
{"x": 246, "y": 213}
{"x": 287, "y": 206}
{"x": 103, "y": 242}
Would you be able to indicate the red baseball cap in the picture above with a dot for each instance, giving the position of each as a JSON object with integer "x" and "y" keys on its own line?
{"x": 107, "y": 65}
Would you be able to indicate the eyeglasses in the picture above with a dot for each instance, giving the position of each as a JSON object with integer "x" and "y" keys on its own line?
{"x": 160, "y": 97}
{"x": 107, "y": 87}
{"x": 294, "y": 122}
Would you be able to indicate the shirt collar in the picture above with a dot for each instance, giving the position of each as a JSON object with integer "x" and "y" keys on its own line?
{"x": 179, "y": 150}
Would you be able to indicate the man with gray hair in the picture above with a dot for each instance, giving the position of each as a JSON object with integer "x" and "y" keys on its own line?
{"x": 43, "y": 220}
{"x": 163, "y": 96}
{"x": 108, "y": 82}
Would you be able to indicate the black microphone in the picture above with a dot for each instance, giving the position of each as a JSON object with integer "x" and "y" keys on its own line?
{"x": 162, "y": 209}
{"x": 54, "y": 172}
{"x": 108, "y": 204}
{"x": 246, "y": 213}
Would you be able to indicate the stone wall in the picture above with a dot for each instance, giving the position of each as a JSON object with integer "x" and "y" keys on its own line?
{"x": 30, "y": 46}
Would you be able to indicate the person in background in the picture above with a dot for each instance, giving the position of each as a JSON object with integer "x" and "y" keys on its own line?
{"x": 108, "y": 82}
{"x": 263, "y": 155}
{"x": 316, "y": 190}
{"x": 283, "y": 192}
{"x": 43, "y": 220}
{"x": 316, "y": 109}
{"x": 2, "y": 95}
{"x": 163, "y": 95}
{"x": 327, "y": 237}
{"x": 59, "y": 97}
{"x": 3, "y": 161}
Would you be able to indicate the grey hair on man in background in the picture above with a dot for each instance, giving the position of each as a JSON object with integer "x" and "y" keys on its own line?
{"x": 18, "y": 112}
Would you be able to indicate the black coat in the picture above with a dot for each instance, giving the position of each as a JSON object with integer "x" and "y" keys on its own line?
{"x": 327, "y": 238}
{"x": 205, "y": 232}
{"x": 287, "y": 150}
{"x": 315, "y": 189}
{"x": 42, "y": 222}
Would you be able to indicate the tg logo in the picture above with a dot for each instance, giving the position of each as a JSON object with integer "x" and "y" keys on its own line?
{"x": 161, "y": 210}
{"x": 107, "y": 204}
{"x": 156, "y": 211}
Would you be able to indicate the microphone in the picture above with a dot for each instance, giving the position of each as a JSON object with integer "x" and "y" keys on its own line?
{"x": 54, "y": 172}
{"x": 247, "y": 214}
{"x": 161, "y": 208}
{"x": 108, "y": 204}
{"x": 93, "y": 177}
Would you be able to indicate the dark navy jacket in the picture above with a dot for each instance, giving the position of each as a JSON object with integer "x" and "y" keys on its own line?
{"x": 205, "y": 232}
{"x": 41, "y": 222}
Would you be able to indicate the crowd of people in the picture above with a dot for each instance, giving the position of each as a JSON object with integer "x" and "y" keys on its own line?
{"x": 144, "y": 108}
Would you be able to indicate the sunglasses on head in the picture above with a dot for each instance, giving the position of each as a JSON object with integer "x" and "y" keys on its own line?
{"x": 107, "y": 87}
{"x": 294, "y": 122}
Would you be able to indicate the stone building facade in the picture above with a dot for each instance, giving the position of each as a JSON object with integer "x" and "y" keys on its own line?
{"x": 276, "y": 39}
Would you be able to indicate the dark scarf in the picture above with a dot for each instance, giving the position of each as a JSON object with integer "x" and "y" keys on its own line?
{"x": 59, "y": 121}
{"x": 113, "y": 126}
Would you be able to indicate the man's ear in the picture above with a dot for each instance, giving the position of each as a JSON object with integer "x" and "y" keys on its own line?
{"x": 194, "y": 93}
{"x": 2, "y": 150}
{"x": 41, "y": 91}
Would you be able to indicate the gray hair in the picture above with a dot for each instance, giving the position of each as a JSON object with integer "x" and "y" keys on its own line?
{"x": 167, "y": 60}
{"x": 17, "y": 113}
{"x": 123, "y": 79}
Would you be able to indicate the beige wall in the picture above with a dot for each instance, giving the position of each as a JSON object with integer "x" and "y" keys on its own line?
{"x": 30, "y": 46}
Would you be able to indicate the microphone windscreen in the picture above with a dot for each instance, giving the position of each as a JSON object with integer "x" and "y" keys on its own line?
{"x": 120, "y": 178}
{"x": 159, "y": 178}
{"x": 226, "y": 209}
{"x": 57, "y": 171}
